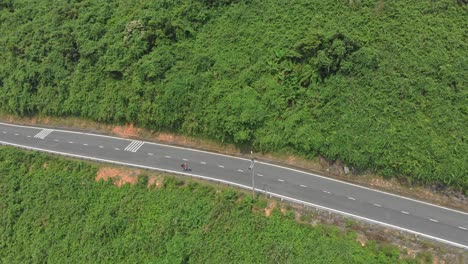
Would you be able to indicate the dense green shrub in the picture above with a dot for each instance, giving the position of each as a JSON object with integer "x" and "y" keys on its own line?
{"x": 53, "y": 211}
{"x": 380, "y": 85}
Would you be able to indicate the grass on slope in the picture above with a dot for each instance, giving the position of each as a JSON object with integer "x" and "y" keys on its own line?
{"x": 52, "y": 210}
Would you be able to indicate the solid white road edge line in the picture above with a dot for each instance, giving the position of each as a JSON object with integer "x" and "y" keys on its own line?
{"x": 260, "y": 162}
{"x": 244, "y": 187}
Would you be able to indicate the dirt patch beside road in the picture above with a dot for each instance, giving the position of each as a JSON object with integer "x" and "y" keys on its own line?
{"x": 126, "y": 131}
{"x": 119, "y": 176}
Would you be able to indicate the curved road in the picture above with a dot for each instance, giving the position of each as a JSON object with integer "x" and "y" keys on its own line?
{"x": 431, "y": 221}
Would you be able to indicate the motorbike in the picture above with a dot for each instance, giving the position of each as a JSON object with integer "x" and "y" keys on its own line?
{"x": 185, "y": 167}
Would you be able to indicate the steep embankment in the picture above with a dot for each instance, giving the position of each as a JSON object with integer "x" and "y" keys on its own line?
{"x": 53, "y": 211}
{"x": 380, "y": 85}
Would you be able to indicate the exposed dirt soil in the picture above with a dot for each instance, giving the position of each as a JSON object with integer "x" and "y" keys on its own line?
{"x": 271, "y": 205}
{"x": 119, "y": 176}
{"x": 155, "y": 181}
{"x": 126, "y": 131}
{"x": 362, "y": 239}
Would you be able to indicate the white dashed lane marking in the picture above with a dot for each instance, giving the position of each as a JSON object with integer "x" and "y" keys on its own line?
{"x": 185, "y": 159}
{"x": 378, "y": 205}
{"x": 116, "y": 148}
{"x": 202, "y": 162}
{"x": 28, "y": 136}
{"x": 240, "y": 170}
{"x": 151, "y": 154}
{"x": 404, "y": 212}
{"x": 433, "y": 220}
{"x": 134, "y": 146}
{"x": 4, "y": 132}
{"x": 85, "y": 144}
{"x": 463, "y": 228}
{"x": 56, "y": 140}
{"x": 351, "y": 198}
{"x": 280, "y": 180}
{"x": 101, "y": 146}
{"x": 303, "y": 186}
{"x": 44, "y": 133}
{"x": 168, "y": 157}
{"x": 71, "y": 142}
{"x": 260, "y": 175}
{"x": 16, "y": 134}
{"x": 221, "y": 166}
{"x": 326, "y": 191}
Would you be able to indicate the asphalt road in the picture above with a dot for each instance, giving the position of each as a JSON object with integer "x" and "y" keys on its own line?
{"x": 424, "y": 219}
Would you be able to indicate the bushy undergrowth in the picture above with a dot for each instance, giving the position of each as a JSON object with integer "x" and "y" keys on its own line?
{"x": 379, "y": 84}
{"x": 53, "y": 211}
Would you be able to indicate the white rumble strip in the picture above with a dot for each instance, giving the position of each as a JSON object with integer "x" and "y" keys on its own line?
{"x": 44, "y": 133}
{"x": 134, "y": 146}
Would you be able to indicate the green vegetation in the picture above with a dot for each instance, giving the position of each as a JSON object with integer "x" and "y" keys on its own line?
{"x": 380, "y": 85}
{"x": 53, "y": 211}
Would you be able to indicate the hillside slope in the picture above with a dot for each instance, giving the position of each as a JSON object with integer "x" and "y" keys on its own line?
{"x": 53, "y": 211}
{"x": 380, "y": 85}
